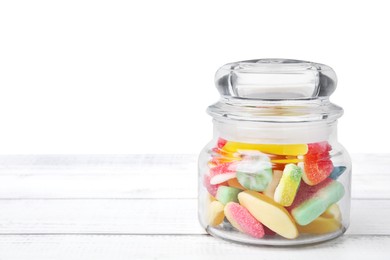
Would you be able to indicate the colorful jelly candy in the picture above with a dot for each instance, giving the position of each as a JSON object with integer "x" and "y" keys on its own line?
{"x": 254, "y": 174}
{"x": 215, "y": 213}
{"x": 270, "y": 190}
{"x": 282, "y": 149}
{"x": 317, "y": 165}
{"x": 317, "y": 201}
{"x": 286, "y": 190}
{"x": 211, "y": 188}
{"x": 222, "y": 173}
{"x": 320, "y": 225}
{"x": 240, "y": 218}
{"x": 221, "y": 143}
{"x": 328, "y": 222}
{"x": 235, "y": 184}
{"x": 332, "y": 212}
{"x": 337, "y": 171}
{"x": 227, "y": 194}
{"x": 274, "y": 189}
{"x": 269, "y": 213}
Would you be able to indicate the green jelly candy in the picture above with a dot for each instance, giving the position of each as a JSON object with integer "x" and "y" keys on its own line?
{"x": 254, "y": 175}
{"x": 227, "y": 194}
{"x": 312, "y": 208}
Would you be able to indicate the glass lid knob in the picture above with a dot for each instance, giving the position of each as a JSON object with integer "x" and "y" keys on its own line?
{"x": 275, "y": 79}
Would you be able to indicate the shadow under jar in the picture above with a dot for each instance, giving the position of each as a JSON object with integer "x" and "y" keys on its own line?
{"x": 274, "y": 172}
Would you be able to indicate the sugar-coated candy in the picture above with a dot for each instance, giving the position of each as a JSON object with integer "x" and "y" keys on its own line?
{"x": 227, "y": 194}
{"x": 221, "y": 160}
{"x": 217, "y": 152}
{"x": 240, "y": 218}
{"x": 281, "y": 149}
{"x": 270, "y": 190}
{"x": 329, "y": 221}
{"x": 215, "y": 213}
{"x": 317, "y": 165}
{"x": 273, "y": 189}
{"x": 269, "y": 213}
{"x": 254, "y": 174}
{"x": 332, "y": 212}
{"x": 211, "y": 188}
{"x": 312, "y": 202}
{"x": 235, "y": 184}
{"x": 222, "y": 172}
{"x": 286, "y": 190}
{"x": 221, "y": 142}
{"x": 337, "y": 171}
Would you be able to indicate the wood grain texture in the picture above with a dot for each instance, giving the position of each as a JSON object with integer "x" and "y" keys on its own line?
{"x": 145, "y": 216}
{"x": 145, "y": 207}
{"x": 203, "y": 247}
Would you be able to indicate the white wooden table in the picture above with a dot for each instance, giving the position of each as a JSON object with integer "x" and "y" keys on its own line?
{"x": 145, "y": 207}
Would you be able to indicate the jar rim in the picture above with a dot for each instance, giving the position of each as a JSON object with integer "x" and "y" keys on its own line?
{"x": 278, "y": 111}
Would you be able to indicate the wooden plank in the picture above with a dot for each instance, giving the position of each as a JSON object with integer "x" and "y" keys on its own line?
{"x": 142, "y": 176}
{"x": 182, "y": 247}
{"x": 145, "y": 216}
{"x": 98, "y": 176}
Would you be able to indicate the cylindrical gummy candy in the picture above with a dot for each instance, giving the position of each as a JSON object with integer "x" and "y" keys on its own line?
{"x": 288, "y": 185}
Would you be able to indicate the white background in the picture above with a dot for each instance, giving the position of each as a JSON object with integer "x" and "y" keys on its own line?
{"x": 137, "y": 76}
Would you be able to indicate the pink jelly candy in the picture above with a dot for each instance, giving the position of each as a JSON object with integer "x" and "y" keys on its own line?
{"x": 221, "y": 143}
{"x": 211, "y": 188}
{"x": 241, "y": 219}
{"x": 222, "y": 173}
{"x": 306, "y": 192}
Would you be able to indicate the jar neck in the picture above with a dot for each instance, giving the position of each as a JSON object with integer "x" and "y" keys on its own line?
{"x": 275, "y": 133}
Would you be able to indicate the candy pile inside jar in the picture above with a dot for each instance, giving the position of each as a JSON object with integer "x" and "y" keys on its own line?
{"x": 274, "y": 189}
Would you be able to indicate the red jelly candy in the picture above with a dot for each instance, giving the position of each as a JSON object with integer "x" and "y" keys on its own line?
{"x": 222, "y": 173}
{"x": 317, "y": 165}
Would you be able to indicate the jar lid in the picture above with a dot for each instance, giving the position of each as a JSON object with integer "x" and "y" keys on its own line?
{"x": 277, "y": 90}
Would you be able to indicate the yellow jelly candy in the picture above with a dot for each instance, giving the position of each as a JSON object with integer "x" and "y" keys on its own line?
{"x": 286, "y": 161}
{"x": 332, "y": 212}
{"x": 215, "y": 213}
{"x": 280, "y": 149}
{"x": 320, "y": 225}
{"x": 270, "y": 190}
{"x": 328, "y": 222}
{"x": 288, "y": 185}
{"x": 269, "y": 213}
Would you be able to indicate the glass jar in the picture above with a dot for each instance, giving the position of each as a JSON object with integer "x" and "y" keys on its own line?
{"x": 274, "y": 172}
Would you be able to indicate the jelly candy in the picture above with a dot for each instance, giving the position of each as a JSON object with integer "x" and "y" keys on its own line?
{"x": 337, "y": 171}
{"x": 286, "y": 190}
{"x": 222, "y": 173}
{"x": 227, "y": 194}
{"x": 328, "y": 222}
{"x": 317, "y": 201}
{"x": 317, "y": 165}
{"x": 215, "y": 213}
{"x": 285, "y": 149}
{"x": 270, "y": 190}
{"x": 254, "y": 174}
{"x": 211, "y": 188}
{"x": 235, "y": 184}
{"x": 240, "y": 218}
{"x": 269, "y": 213}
